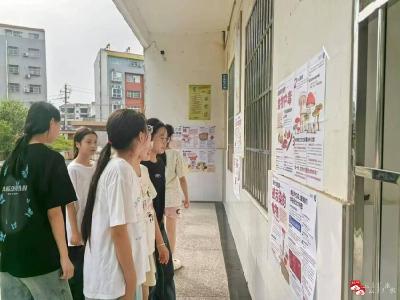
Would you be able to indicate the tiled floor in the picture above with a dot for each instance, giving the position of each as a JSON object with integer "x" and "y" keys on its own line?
{"x": 203, "y": 275}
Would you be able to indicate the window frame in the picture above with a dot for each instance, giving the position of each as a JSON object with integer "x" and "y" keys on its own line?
{"x": 258, "y": 100}
{"x": 14, "y": 87}
{"x": 11, "y": 71}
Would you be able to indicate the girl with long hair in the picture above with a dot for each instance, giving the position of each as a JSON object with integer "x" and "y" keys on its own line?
{"x": 81, "y": 171}
{"x": 34, "y": 188}
{"x": 165, "y": 286}
{"x": 114, "y": 266}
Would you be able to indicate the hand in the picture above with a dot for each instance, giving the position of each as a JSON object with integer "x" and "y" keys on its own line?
{"x": 67, "y": 268}
{"x": 163, "y": 254}
{"x": 76, "y": 239}
{"x": 186, "y": 203}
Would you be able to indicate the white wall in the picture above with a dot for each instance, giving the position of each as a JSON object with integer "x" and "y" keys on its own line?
{"x": 301, "y": 29}
{"x": 189, "y": 59}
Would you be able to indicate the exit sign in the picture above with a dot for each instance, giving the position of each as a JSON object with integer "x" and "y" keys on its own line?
{"x": 225, "y": 82}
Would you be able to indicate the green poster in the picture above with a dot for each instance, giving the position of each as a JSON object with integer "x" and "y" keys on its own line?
{"x": 199, "y": 102}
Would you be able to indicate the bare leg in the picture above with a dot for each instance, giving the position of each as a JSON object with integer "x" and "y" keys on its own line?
{"x": 145, "y": 292}
{"x": 171, "y": 232}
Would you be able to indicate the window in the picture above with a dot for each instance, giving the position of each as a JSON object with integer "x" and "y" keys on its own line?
{"x": 116, "y": 91}
{"x": 116, "y": 76}
{"x": 13, "y": 87}
{"x": 257, "y": 108}
{"x": 35, "y": 89}
{"x": 84, "y": 110}
{"x": 34, "y": 36}
{"x": 136, "y": 64}
{"x": 13, "y": 51}
{"x": 32, "y": 52}
{"x": 133, "y": 78}
{"x": 13, "y": 69}
{"x": 8, "y": 32}
{"x": 70, "y": 110}
{"x": 134, "y": 94}
{"x": 34, "y": 71}
{"x": 116, "y": 106}
{"x": 231, "y": 114}
{"x": 17, "y": 34}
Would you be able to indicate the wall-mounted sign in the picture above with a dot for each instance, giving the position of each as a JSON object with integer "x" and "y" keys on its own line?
{"x": 199, "y": 102}
{"x": 225, "y": 82}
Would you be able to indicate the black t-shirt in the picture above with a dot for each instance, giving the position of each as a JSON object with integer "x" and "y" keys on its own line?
{"x": 157, "y": 177}
{"x": 33, "y": 250}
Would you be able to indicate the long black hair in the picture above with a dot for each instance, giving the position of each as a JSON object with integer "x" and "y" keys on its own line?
{"x": 79, "y": 136}
{"x": 37, "y": 121}
{"x": 123, "y": 126}
{"x": 157, "y": 125}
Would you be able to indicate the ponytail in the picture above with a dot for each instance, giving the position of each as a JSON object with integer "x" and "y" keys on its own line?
{"x": 18, "y": 155}
{"x": 104, "y": 158}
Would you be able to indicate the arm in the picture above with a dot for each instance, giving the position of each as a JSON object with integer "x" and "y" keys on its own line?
{"x": 56, "y": 220}
{"x": 76, "y": 238}
{"x": 161, "y": 247}
{"x": 123, "y": 249}
{"x": 184, "y": 187}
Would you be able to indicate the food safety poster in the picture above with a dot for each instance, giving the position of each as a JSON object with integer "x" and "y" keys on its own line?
{"x": 300, "y": 123}
{"x": 199, "y": 102}
{"x": 197, "y": 145}
{"x": 293, "y": 245}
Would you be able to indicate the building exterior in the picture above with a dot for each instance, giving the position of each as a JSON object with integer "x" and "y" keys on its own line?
{"x": 119, "y": 82}
{"x": 22, "y": 64}
{"x": 264, "y": 43}
{"x": 76, "y": 112}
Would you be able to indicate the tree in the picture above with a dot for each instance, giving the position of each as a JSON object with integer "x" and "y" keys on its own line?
{"x": 61, "y": 144}
{"x": 14, "y": 113}
{"x": 12, "y": 120}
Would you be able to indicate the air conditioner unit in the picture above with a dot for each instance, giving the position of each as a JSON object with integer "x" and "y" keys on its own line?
{"x": 28, "y": 76}
{"x": 26, "y": 54}
{"x": 26, "y": 90}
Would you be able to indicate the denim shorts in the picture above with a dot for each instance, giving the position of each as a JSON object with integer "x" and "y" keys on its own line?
{"x": 44, "y": 287}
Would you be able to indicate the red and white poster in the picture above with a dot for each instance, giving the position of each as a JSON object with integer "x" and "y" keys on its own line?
{"x": 292, "y": 212}
{"x": 300, "y": 123}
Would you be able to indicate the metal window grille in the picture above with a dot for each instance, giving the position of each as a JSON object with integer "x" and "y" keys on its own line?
{"x": 257, "y": 109}
{"x": 13, "y": 87}
{"x": 231, "y": 114}
{"x": 34, "y": 71}
{"x": 14, "y": 51}
{"x": 13, "y": 69}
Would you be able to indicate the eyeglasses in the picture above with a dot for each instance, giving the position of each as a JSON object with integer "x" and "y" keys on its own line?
{"x": 149, "y": 129}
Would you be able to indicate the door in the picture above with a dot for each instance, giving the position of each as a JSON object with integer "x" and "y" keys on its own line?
{"x": 376, "y": 149}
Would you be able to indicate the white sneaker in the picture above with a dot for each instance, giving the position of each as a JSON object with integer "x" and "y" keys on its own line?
{"x": 177, "y": 264}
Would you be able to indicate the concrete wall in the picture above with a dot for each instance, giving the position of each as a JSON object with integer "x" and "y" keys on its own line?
{"x": 301, "y": 30}
{"x": 188, "y": 59}
{"x": 23, "y": 43}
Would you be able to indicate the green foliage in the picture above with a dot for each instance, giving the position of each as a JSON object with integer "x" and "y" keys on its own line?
{"x": 12, "y": 120}
{"x": 61, "y": 144}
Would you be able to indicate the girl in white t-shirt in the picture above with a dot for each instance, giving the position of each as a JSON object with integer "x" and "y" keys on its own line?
{"x": 80, "y": 171}
{"x": 175, "y": 181}
{"x": 153, "y": 232}
{"x": 113, "y": 267}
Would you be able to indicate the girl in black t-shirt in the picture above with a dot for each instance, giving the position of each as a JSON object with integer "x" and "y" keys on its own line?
{"x": 34, "y": 257}
{"x": 165, "y": 286}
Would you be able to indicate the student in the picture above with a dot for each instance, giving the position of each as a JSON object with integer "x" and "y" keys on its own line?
{"x": 80, "y": 170}
{"x": 34, "y": 186}
{"x": 175, "y": 172}
{"x": 114, "y": 266}
{"x": 153, "y": 233}
{"x": 165, "y": 286}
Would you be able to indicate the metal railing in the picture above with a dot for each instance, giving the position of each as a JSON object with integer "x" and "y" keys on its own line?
{"x": 257, "y": 108}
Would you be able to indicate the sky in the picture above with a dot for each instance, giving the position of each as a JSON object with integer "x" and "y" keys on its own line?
{"x": 75, "y": 31}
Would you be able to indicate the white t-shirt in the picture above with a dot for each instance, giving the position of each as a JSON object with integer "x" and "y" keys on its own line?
{"x": 81, "y": 176}
{"x": 176, "y": 168}
{"x": 118, "y": 202}
{"x": 148, "y": 194}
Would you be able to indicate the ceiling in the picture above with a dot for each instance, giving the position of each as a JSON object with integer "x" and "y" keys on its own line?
{"x": 180, "y": 16}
